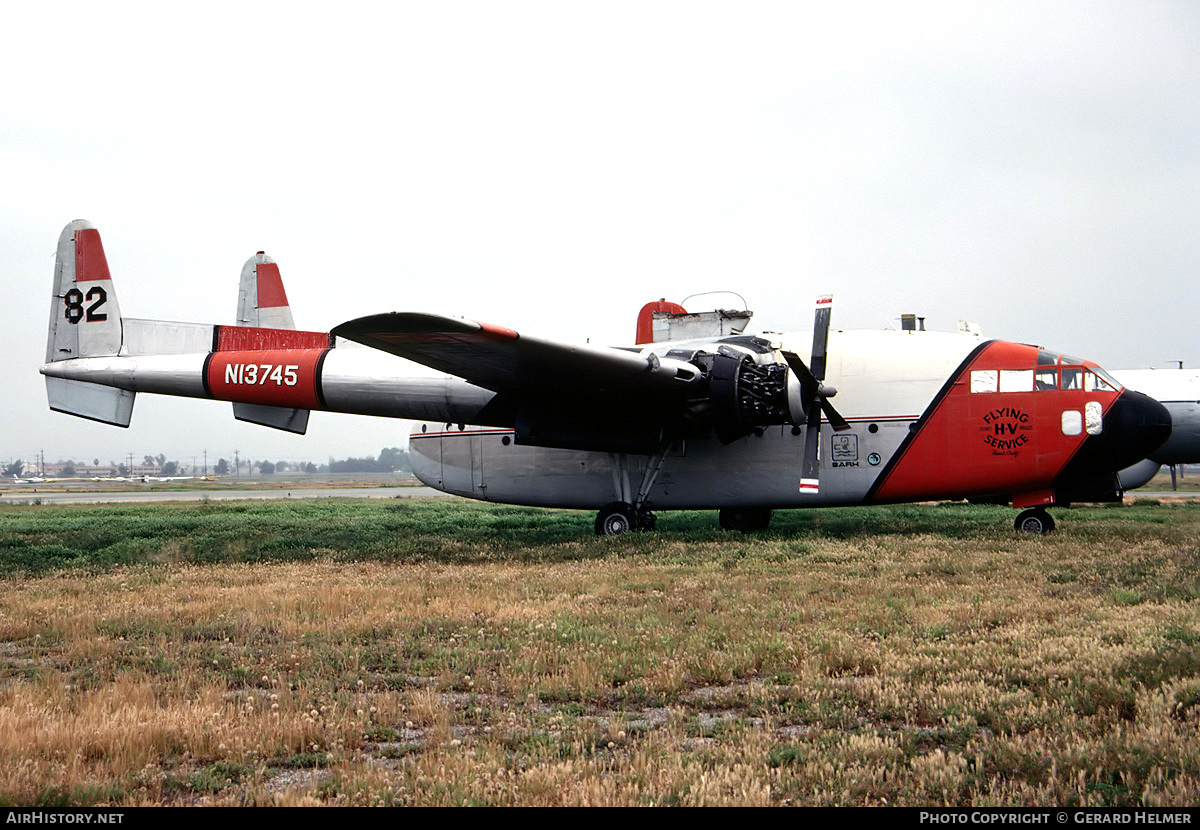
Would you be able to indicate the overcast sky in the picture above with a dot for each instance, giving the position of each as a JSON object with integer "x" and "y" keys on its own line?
{"x": 1032, "y": 166}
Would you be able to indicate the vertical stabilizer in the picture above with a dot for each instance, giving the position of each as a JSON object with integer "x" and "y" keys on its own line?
{"x": 85, "y": 321}
{"x": 262, "y": 303}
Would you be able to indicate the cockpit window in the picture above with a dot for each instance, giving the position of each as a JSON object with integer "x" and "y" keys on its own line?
{"x": 983, "y": 380}
{"x": 1097, "y": 380}
{"x": 1016, "y": 380}
{"x": 1046, "y": 377}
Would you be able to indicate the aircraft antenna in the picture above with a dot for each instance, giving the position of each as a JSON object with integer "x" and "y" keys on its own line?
{"x": 745, "y": 306}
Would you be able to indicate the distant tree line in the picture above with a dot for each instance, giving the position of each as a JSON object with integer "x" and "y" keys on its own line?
{"x": 390, "y": 460}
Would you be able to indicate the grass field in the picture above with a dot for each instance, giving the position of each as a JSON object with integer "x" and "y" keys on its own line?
{"x": 443, "y": 652}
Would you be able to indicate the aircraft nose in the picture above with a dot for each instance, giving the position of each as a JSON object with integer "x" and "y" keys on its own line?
{"x": 1137, "y": 425}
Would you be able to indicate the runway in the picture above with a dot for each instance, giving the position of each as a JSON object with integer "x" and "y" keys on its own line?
{"x": 49, "y": 495}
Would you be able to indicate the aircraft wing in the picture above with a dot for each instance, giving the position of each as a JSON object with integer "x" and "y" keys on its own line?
{"x": 504, "y": 361}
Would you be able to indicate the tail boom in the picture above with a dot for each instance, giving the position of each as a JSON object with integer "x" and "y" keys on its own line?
{"x": 97, "y": 361}
{"x": 323, "y": 379}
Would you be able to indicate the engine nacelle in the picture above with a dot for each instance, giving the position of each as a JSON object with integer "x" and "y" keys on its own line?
{"x": 743, "y": 389}
{"x": 731, "y": 390}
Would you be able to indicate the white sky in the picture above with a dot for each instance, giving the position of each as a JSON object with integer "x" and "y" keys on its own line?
{"x": 1032, "y": 166}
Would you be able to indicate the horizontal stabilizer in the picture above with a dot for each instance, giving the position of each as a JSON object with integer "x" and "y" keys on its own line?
{"x": 106, "y": 404}
{"x": 277, "y": 417}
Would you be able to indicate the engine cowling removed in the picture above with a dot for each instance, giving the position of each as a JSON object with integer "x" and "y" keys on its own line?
{"x": 738, "y": 389}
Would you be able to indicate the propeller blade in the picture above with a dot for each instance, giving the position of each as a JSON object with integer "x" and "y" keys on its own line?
{"x": 821, "y": 336}
{"x": 810, "y": 472}
{"x": 835, "y": 418}
{"x": 816, "y": 395}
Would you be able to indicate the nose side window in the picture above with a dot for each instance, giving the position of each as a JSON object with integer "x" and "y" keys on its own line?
{"x": 1072, "y": 422}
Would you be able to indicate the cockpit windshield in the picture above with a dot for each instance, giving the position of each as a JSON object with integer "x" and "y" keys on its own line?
{"x": 1053, "y": 372}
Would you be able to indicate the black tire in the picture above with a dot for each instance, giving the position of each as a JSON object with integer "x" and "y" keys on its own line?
{"x": 1034, "y": 520}
{"x": 744, "y": 519}
{"x": 617, "y": 519}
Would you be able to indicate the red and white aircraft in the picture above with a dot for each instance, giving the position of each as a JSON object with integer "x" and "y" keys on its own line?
{"x": 727, "y": 420}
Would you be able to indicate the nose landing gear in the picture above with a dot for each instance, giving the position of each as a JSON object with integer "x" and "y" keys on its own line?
{"x": 1034, "y": 520}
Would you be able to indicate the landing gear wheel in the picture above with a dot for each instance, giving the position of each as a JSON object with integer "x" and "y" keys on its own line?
{"x": 745, "y": 519}
{"x": 616, "y": 519}
{"x": 1034, "y": 520}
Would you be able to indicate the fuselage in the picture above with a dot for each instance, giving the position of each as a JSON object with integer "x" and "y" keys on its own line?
{"x": 933, "y": 416}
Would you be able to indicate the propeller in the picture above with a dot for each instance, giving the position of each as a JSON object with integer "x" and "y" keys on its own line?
{"x": 815, "y": 395}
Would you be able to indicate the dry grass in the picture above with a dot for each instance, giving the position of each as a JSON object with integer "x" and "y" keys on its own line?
{"x": 685, "y": 668}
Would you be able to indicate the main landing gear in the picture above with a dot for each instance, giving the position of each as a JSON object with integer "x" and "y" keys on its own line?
{"x": 1034, "y": 520}
{"x": 621, "y": 517}
{"x": 745, "y": 519}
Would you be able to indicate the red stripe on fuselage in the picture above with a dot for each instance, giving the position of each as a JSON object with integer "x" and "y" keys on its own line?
{"x": 457, "y": 433}
{"x": 987, "y": 443}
